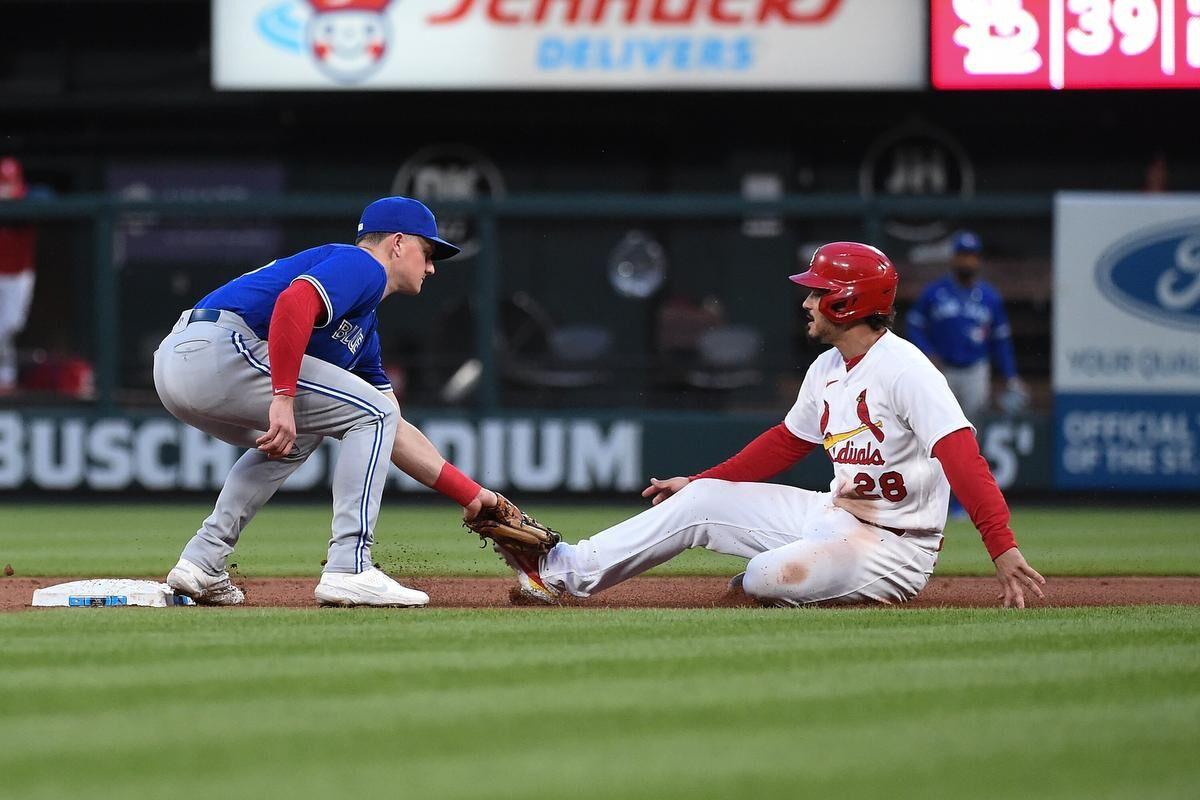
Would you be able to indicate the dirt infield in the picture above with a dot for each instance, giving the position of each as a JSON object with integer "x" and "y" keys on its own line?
{"x": 693, "y": 592}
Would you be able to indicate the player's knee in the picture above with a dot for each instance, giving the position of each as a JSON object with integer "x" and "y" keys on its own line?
{"x": 390, "y": 417}
{"x": 774, "y": 580}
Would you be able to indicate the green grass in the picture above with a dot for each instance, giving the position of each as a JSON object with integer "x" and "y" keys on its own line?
{"x": 427, "y": 540}
{"x": 1088, "y": 703}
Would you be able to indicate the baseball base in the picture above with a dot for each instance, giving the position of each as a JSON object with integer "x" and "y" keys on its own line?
{"x": 109, "y": 593}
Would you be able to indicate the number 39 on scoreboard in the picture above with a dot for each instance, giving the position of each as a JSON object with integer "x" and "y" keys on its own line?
{"x": 1064, "y": 44}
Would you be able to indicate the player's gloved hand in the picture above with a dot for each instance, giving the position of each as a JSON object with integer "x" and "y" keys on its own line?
{"x": 1016, "y": 576}
{"x": 661, "y": 490}
{"x": 485, "y": 499}
{"x": 281, "y": 434}
{"x": 1015, "y": 397}
{"x": 511, "y": 528}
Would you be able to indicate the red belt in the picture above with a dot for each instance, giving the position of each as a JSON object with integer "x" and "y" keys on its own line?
{"x": 897, "y": 531}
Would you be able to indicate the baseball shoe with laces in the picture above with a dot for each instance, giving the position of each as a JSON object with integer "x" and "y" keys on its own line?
{"x": 371, "y": 587}
{"x": 188, "y": 579}
{"x": 530, "y": 585}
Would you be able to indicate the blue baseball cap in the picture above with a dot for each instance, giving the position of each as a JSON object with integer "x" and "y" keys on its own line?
{"x": 966, "y": 242}
{"x": 405, "y": 215}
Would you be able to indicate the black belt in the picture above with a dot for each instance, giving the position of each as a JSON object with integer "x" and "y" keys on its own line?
{"x": 897, "y": 531}
{"x": 204, "y": 315}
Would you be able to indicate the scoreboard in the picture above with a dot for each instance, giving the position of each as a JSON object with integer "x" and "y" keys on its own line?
{"x": 1064, "y": 44}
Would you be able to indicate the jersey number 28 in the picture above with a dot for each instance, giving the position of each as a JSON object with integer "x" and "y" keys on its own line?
{"x": 891, "y": 487}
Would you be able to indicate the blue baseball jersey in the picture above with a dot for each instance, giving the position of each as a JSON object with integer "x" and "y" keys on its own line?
{"x": 962, "y": 326}
{"x": 350, "y": 283}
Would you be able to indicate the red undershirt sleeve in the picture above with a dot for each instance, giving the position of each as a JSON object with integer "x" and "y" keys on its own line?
{"x": 292, "y": 321}
{"x": 973, "y": 485}
{"x": 769, "y": 454}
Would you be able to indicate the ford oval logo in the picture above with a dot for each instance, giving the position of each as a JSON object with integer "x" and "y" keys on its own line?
{"x": 1156, "y": 275}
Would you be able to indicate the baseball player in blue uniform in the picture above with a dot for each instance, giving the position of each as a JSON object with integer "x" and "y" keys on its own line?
{"x": 287, "y": 354}
{"x": 960, "y": 324}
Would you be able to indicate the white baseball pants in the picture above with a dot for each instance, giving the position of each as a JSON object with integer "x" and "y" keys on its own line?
{"x": 802, "y": 550}
{"x": 215, "y": 376}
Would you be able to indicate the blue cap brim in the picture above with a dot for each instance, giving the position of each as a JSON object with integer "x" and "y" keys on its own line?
{"x": 442, "y": 249}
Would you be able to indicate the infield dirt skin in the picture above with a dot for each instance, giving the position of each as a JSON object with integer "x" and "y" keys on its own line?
{"x": 692, "y": 592}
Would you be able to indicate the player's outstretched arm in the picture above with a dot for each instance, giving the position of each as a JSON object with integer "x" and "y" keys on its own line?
{"x": 416, "y": 456}
{"x": 975, "y": 487}
{"x": 1015, "y": 576}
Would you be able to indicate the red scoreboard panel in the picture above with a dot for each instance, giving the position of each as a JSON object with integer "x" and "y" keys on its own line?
{"x": 1064, "y": 44}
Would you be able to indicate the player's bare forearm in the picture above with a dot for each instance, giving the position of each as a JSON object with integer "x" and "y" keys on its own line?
{"x": 415, "y": 455}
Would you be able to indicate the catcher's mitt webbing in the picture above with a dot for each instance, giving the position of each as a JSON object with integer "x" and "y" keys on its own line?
{"x": 508, "y": 525}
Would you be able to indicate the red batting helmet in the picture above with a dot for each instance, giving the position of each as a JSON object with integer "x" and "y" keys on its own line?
{"x": 859, "y": 281}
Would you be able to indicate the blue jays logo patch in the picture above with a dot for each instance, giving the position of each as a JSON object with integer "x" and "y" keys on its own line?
{"x": 350, "y": 335}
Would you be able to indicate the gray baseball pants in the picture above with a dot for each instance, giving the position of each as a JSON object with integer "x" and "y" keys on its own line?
{"x": 972, "y": 386}
{"x": 216, "y": 377}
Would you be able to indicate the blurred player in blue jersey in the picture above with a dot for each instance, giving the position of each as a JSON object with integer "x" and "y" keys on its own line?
{"x": 960, "y": 323}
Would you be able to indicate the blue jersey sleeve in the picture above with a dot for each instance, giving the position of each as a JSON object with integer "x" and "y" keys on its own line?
{"x": 349, "y": 280}
{"x": 1001, "y": 339}
{"x": 917, "y": 323}
{"x": 370, "y": 366}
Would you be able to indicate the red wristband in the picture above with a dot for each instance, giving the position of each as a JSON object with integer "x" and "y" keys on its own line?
{"x": 455, "y": 485}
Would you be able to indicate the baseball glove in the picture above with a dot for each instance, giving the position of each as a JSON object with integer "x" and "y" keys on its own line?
{"x": 510, "y": 527}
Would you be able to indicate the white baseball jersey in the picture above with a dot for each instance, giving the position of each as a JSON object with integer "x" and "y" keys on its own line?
{"x": 878, "y": 424}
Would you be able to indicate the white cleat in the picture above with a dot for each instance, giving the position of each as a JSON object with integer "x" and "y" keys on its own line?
{"x": 371, "y": 587}
{"x": 207, "y": 590}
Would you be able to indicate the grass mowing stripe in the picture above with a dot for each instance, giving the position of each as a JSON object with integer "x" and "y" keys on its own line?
{"x": 649, "y": 703}
{"x": 107, "y": 539}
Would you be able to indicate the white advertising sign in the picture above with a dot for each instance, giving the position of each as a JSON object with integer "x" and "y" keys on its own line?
{"x": 1127, "y": 293}
{"x": 1127, "y": 342}
{"x": 543, "y": 44}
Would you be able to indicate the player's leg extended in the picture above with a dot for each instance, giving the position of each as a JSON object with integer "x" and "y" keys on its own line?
{"x": 358, "y": 480}
{"x": 740, "y": 519}
{"x": 839, "y": 560}
{"x": 251, "y": 482}
{"x": 334, "y": 402}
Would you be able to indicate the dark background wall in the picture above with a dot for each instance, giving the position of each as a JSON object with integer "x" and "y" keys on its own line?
{"x": 86, "y": 86}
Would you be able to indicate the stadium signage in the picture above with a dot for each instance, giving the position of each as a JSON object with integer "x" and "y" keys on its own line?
{"x": 1064, "y": 44}
{"x": 1158, "y": 275}
{"x": 531, "y": 44}
{"x": 1126, "y": 366}
{"x": 159, "y": 454}
{"x": 654, "y": 12}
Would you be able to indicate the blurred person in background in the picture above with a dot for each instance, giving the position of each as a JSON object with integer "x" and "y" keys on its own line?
{"x": 959, "y": 322}
{"x": 17, "y": 247}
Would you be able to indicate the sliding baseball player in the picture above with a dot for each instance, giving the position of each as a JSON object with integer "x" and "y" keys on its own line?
{"x": 898, "y": 441}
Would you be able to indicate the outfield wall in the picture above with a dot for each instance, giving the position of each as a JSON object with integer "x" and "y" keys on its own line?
{"x": 55, "y": 452}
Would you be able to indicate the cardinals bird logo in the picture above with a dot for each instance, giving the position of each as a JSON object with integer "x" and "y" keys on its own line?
{"x": 864, "y": 416}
